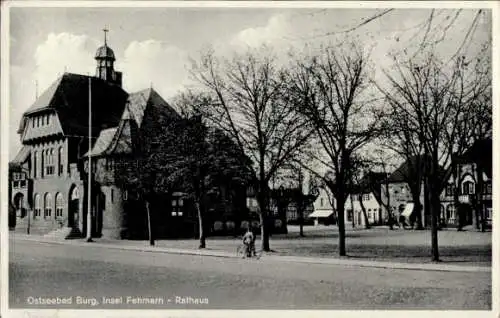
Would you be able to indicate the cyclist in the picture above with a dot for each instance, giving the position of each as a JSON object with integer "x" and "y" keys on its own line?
{"x": 249, "y": 242}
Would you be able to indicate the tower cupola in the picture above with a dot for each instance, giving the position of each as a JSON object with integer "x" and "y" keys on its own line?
{"x": 105, "y": 58}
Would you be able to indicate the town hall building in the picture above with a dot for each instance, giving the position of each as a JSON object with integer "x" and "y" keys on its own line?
{"x": 50, "y": 193}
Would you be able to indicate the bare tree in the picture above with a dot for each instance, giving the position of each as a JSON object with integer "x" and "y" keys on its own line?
{"x": 251, "y": 105}
{"x": 400, "y": 136}
{"x": 328, "y": 89}
{"x": 381, "y": 162}
{"x": 434, "y": 99}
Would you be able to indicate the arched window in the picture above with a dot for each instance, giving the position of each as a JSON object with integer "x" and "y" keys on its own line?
{"x": 74, "y": 194}
{"x": 468, "y": 187}
{"x": 59, "y": 205}
{"x": 38, "y": 208}
{"x": 60, "y": 161}
{"x": 49, "y": 161}
{"x": 47, "y": 205}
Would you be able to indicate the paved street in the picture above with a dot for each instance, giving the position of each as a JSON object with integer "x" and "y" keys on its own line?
{"x": 40, "y": 270}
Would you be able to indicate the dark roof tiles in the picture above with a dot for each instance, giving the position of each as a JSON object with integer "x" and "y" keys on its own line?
{"x": 69, "y": 97}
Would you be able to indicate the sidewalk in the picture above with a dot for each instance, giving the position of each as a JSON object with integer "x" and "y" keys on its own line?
{"x": 144, "y": 247}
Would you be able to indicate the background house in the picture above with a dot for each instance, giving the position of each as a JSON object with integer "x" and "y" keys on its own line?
{"x": 366, "y": 195}
{"x": 324, "y": 208}
{"x": 468, "y": 192}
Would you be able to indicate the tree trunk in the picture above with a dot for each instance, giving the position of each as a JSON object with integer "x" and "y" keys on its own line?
{"x": 365, "y": 216}
{"x": 433, "y": 186}
{"x": 339, "y": 198}
{"x": 301, "y": 227}
{"x": 201, "y": 225}
{"x": 263, "y": 206}
{"x": 456, "y": 190}
{"x": 352, "y": 211}
{"x": 150, "y": 225}
{"x": 264, "y": 235}
{"x": 390, "y": 214}
{"x": 300, "y": 211}
{"x": 479, "y": 199}
{"x": 427, "y": 198}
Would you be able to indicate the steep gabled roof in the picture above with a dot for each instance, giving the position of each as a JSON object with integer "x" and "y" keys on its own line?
{"x": 139, "y": 101}
{"x": 103, "y": 141}
{"x": 481, "y": 153}
{"x": 22, "y": 155}
{"x": 402, "y": 173}
{"x": 68, "y": 96}
{"x": 120, "y": 139}
{"x": 370, "y": 182}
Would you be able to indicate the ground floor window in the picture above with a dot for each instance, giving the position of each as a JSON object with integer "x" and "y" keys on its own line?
{"x": 59, "y": 205}
{"x": 47, "y": 205}
{"x": 450, "y": 213}
{"x": 177, "y": 207}
{"x": 38, "y": 208}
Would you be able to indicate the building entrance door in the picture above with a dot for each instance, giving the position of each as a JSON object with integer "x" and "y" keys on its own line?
{"x": 74, "y": 208}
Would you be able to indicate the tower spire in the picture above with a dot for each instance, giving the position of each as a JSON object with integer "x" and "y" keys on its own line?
{"x": 105, "y": 33}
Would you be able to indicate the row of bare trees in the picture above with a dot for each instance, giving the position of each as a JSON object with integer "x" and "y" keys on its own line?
{"x": 323, "y": 109}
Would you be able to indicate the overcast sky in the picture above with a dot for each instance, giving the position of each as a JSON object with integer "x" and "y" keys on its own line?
{"x": 152, "y": 45}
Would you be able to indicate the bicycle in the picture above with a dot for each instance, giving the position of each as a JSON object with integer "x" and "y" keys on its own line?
{"x": 242, "y": 252}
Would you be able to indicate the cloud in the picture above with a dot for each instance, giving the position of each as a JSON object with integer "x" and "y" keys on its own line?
{"x": 276, "y": 29}
{"x": 22, "y": 94}
{"x": 154, "y": 62}
{"x": 63, "y": 52}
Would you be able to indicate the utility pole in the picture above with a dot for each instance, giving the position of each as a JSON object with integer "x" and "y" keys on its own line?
{"x": 89, "y": 175}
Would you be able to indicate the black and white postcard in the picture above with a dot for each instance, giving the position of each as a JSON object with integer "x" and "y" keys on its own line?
{"x": 183, "y": 159}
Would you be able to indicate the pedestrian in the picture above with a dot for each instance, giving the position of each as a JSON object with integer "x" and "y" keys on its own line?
{"x": 402, "y": 221}
{"x": 249, "y": 242}
{"x": 412, "y": 220}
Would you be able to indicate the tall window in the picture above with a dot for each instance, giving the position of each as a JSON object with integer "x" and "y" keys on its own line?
{"x": 35, "y": 164}
{"x": 60, "y": 161}
{"x": 487, "y": 189}
{"x": 321, "y": 202}
{"x": 38, "y": 208}
{"x": 449, "y": 190}
{"x": 468, "y": 187}
{"x": 59, "y": 205}
{"x": 177, "y": 207}
{"x": 47, "y": 207}
{"x": 450, "y": 213}
{"x": 49, "y": 161}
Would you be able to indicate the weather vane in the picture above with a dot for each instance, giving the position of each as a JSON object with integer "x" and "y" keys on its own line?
{"x": 105, "y": 31}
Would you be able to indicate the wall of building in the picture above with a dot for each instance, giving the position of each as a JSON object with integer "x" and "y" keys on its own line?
{"x": 372, "y": 207}
{"x": 61, "y": 181}
{"x": 112, "y": 214}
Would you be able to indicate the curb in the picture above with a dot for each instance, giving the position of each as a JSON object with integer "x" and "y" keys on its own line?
{"x": 276, "y": 258}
